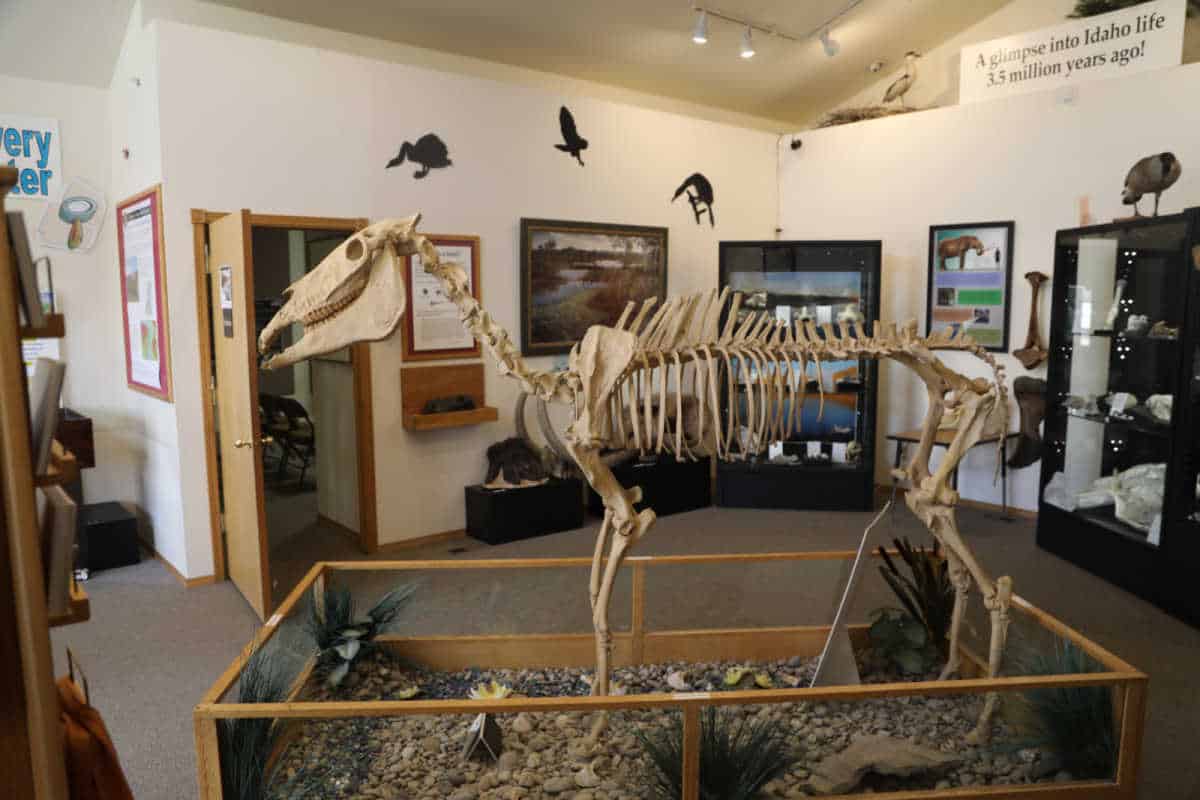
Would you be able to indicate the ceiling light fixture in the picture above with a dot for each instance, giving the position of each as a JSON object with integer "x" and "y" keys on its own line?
{"x": 831, "y": 46}
{"x": 700, "y": 33}
{"x": 747, "y": 44}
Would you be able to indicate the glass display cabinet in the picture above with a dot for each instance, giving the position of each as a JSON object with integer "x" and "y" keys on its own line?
{"x": 828, "y": 461}
{"x": 1122, "y": 429}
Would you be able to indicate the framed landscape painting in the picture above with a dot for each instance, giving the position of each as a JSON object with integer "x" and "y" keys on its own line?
{"x": 970, "y": 281}
{"x": 578, "y": 274}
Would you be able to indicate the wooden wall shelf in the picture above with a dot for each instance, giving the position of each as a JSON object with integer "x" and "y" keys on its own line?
{"x": 419, "y": 385}
{"x": 55, "y": 328}
{"x": 451, "y": 419}
{"x": 79, "y": 608}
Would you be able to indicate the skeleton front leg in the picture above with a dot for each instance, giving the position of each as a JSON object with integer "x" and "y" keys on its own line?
{"x": 960, "y": 579}
{"x": 999, "y": 607}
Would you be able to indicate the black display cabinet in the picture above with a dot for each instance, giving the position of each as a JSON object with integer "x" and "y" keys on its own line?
{"x": 1119, "y": 472}
{"x": 668, "y": 486}
{"x": 497, "y": 516}
{"x": 829, "y": 463}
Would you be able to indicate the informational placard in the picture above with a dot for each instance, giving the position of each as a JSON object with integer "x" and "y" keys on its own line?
{"x": 33, "y": 349}
{"x": 1143, "y": 37}
{"x": 225, "y": 278}
{"x": 433, "y": 326}
{"x": 144, "y": 293}
{"x": 970, "y": 278}
{"x": 31, "y": 145}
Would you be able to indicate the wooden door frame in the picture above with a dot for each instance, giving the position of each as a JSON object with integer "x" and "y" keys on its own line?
{"x": 360, "y": 360}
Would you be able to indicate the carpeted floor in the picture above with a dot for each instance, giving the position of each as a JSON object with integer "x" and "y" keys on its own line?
{"x": 152, "y": 648}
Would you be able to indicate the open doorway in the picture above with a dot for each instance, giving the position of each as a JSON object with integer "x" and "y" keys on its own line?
{"x": 311, "y": 477}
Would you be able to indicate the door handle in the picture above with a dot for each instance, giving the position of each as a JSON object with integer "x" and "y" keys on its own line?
{"x": 263, "y": 440}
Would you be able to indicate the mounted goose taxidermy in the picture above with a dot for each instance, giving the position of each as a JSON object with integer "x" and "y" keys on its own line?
{"x": 699, "y": 193}
{"x": 1152, "y": 175}
{"x": 429, "y": 151}
{"x": 573, "y": 143}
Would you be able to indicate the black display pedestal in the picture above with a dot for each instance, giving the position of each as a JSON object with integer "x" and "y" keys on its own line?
{"x": 506, "y": 515}
{"x": 747, "y": 484}
{"x": 668, "y": 486}
{"x": 107, "y": 537}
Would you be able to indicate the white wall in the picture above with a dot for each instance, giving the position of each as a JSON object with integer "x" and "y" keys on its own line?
{"x": 291, "y": 129}
{"x": 1026, "y": 158}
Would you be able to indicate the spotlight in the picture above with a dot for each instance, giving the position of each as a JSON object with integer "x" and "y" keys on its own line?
{"x": 832, "y": 48}
{"x": 700, "y": 32}
{"x": 747, "y": 44}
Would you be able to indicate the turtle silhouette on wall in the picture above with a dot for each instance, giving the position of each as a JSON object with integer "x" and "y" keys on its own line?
{"x": 573, "y": 143}
{"x": 429, "y": 151}
{"x": 700, "y": 194}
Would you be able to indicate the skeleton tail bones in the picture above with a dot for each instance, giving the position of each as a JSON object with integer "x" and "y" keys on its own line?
{"x": 653, "y": 382}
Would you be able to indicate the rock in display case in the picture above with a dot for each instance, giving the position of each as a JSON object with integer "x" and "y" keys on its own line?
{"x": 1120, "y": 495}
{"x": 826, "y": 458}
{"x": 449, "y": 680}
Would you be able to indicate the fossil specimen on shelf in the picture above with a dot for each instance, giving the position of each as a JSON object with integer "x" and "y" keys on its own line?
{"x": 624, "y": 381}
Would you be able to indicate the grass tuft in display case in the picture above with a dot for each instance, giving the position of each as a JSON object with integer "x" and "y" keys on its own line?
{"x": 738, "y": 755}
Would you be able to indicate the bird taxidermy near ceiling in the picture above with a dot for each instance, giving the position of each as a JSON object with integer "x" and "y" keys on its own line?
{"x": 699, "y": 193}
{"x": 1151, "y": 175}
{"x": 1091, "y": 8}
{"x": 905, "y": 82}
{"x": 622, "y": 380}
{"x": 573, "y": 143}
{"x": 429, "y": 152}
{"x": 895, "y": 92}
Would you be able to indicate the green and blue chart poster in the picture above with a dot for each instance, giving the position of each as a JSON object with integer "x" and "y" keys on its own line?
{"x": 970, "y": 280}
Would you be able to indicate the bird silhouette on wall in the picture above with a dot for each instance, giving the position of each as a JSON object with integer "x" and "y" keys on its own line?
{"x": 1152, "y": 175}
{"x": 573, "y": 142}
{"x": 429, "y": 151}
{"x": 699, "y": 194}
{"x": 905, "y": 82}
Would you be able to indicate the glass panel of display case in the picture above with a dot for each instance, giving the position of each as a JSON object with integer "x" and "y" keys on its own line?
{"x": 1121, "y": 359}
{"x": 1194, "y": 399}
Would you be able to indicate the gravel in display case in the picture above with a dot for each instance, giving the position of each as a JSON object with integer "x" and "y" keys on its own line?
{"x": 710, "y": 691}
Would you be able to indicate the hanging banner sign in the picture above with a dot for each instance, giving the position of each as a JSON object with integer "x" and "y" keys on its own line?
{"x": 1137, "y": 39}
{"x": 31, "y": 145}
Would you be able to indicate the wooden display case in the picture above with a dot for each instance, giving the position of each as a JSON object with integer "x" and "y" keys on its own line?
{"x": 639, "y": 643}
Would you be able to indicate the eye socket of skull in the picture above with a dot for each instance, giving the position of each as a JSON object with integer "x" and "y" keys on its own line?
{"x": 356, "y": 249}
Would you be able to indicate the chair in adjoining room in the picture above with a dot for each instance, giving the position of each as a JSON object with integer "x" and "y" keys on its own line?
{"x": 299, "y": 440}
{"x": 274, "y": 423}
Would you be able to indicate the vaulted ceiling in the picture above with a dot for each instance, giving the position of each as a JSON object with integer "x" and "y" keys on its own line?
{"x": 643, "y": 45}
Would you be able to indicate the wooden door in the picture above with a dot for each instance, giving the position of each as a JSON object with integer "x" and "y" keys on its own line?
{"x": 235, "y": 351}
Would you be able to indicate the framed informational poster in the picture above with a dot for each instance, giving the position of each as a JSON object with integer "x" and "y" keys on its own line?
{"x": 144, "y": 293}
{"x": 432, "y": 327}
{"x": 578, "y": 274}
{"x": 970, "y": 281}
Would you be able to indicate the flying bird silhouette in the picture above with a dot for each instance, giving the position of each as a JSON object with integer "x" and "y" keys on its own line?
{"x": 1152, "y": 175}
{"x": 573, "y": 142}
{"x": 429, "y": 151}
{"x": 699, "y": 194}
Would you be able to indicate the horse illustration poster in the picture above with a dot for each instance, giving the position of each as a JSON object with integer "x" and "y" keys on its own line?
{"x": 578, "y": 274}
{"x": 970, "y": 281}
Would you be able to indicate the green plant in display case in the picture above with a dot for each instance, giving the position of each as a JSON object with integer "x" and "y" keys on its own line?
{"x": 926, "y": 591}
{"x": 1077, "y": 723}
{"x": 902, "y": 641}
{"x": 341, "y": 637}
{"x": 738, "y": 756}
{"x": 246, "y": 744}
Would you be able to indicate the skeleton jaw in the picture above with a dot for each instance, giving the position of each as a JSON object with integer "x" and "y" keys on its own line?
{"x": 356, "y": 294}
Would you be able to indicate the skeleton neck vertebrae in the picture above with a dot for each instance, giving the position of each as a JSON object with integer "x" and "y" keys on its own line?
{"x": 653, "y": 382}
